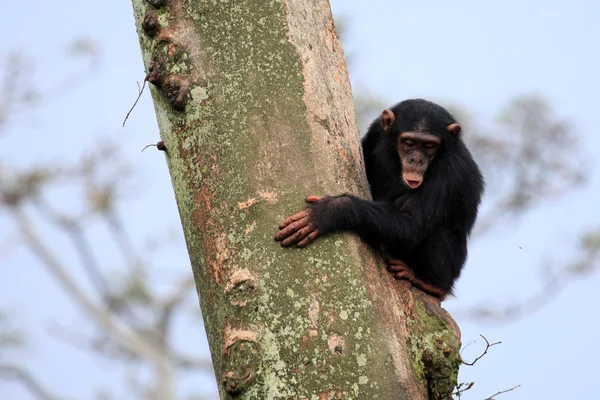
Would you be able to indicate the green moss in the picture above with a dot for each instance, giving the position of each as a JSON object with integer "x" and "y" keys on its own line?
{"x": 435, "y": 351}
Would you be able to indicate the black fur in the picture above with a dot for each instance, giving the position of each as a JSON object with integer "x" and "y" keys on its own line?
{"x": 428, "y": 227}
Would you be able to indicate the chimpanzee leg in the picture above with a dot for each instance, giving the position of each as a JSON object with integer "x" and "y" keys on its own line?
{"x": 403, "y": 271}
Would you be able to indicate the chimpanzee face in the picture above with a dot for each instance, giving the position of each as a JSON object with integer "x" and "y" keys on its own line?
{"x": 416, "y": 151}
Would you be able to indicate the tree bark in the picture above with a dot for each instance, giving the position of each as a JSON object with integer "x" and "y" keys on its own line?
{"x": 255, "y": 110}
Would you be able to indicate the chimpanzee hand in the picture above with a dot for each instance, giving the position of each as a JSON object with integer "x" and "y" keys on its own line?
{"x": 299, "y": 228}
{"x": 304, "y": 227}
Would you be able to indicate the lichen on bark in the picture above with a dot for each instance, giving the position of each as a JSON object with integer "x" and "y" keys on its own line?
{"x": 434, "y": 342}
{"x": 266, "y": 117}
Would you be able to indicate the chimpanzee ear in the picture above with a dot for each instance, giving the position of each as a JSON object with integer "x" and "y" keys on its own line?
{"x": 454, "y": 129}
{"x": 387, "y": 119}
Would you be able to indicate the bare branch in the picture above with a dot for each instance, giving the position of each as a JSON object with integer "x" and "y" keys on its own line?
{"x": 100, "y": 345}
{"x": 8, "y": 244}
{"x": 70, "y": 336}
{"x": 122, "y": 239}
{"x": 463, "y": 387}
{"x": 467, "y": 345}
{"x": 9, "y": 336}
{"x": 167, "y": 306}
{"x": 550, "y": 290}
{"x": 587, "y": 262}
{"x": 189, "y": 363}
{"x": 16, "y": 89}
{"x": 88, "y": 260}
{"x": 25, "y": 378}
{"x": 126, "y": 337}
{"x": 504, "y": 391}
{"x": 177, "y": 295}
{"x": 140, "y": 91}
{"x": 81, "y": 244}
{"x": 487, "y": 347}
{"x": 160, "y": 145}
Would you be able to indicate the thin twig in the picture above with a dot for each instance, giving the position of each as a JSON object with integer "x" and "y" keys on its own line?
{"x": 21, "y": 375}
{"x": 88, "y": 260}
{"x": 460, "y": 390}
{"x": 192, "y": 363}
{"x": 149, "y": 145}
{"x": 81, "y": 244}
{"x": 71, "y": 336}
{"x": 8, "y": 244}
{"x": 160, "y": 145}
{"x": 554, "y": 282}
{"x": 181, "y": 290}
{"x": 504, "y": 391}
{"x": 122, "y": 239}
{"x": 487, "y": 347}
{"x": 121, "y": 332}
{"x": 550, "y": 290}
{"x": 102, "y": 346}
{"x": 140, "y": 90}
{"x": 467, "y": 345}
{"x": 169, "y": 304}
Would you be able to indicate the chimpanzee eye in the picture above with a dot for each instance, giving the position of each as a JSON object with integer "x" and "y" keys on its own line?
{"x": 409, "y": 142}
{"x": 428, "y": 146}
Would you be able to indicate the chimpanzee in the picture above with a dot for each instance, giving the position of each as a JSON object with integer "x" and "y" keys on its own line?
{"x": 426, "y": 191}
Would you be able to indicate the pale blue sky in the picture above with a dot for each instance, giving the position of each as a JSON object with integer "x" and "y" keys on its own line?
{"x": 477, "y": 54}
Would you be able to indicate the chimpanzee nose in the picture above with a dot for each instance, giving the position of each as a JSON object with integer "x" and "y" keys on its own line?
{"x": 417, "y": 160}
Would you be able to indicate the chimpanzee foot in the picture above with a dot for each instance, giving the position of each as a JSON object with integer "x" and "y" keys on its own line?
{"x": 402, "y": 271}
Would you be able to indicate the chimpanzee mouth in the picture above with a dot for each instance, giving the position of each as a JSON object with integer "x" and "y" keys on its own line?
{"x": 413, "y": 183}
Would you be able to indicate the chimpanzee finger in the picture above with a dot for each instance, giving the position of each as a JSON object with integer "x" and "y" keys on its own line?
{"x": 291, "y": 229}
{"x": 296, "y": 237}
{"x": 395, "y": 268}
{"x": 404, "y": 275}
{"x": 395, "y": 261}
{"x": 306, "y": 241}
{"x": 313, "y": 199}
{"x": 293, "y": 218}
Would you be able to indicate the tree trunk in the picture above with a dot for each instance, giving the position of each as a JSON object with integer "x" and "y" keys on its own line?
{"x": 255, "y": 110}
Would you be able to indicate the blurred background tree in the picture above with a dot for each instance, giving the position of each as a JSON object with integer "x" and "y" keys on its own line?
{"x": 94, "y": 275}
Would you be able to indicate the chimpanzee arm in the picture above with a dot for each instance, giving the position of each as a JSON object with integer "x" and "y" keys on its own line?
{"x": 374, "y": 221}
